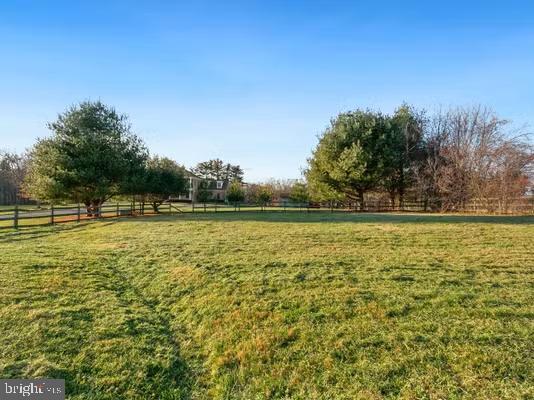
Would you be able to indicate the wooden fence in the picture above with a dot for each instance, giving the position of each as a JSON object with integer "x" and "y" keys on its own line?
{"x": 22, "y": 216}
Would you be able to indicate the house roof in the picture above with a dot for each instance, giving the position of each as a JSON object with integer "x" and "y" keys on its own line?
{"x": 211, "y": 182}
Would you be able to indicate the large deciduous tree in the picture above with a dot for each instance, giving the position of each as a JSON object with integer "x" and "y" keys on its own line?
{"x": 91, "y": 156}
{"x": 471, "y": 156}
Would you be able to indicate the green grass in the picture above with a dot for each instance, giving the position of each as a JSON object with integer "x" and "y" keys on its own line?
{"x": 273, "y": 306}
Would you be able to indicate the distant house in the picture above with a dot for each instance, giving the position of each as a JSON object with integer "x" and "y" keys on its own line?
{"x": 217, "y": 188}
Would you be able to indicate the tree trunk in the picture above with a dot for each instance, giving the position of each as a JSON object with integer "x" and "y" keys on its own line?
{"x": 392, "y": 199}
{"x": 96, "y": 208}
{"x": 401, "y": 198}
{"x": 401, "y": 187}
{"x": 361, "y": 199}
{"x": 88, "y": 208}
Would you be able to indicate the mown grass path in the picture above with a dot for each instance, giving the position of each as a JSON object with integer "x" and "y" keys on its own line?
{"x": 280, "y": 306}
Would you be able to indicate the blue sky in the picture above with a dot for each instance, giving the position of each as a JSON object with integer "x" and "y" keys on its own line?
{"x": 251, "y": 82}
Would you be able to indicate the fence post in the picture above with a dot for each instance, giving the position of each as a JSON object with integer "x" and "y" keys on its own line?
{"x": 16, "y": 217}
{"x": 193, "y": 207}
{"x": 78, "y": 216}
{"x": 216, "y": 207}
{"x": 117, "y": 209}
{"x": 52, "y": 214}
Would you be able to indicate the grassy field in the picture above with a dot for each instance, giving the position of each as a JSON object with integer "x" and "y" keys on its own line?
{"x": 273, "y": 306}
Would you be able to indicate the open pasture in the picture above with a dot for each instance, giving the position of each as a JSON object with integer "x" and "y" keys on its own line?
{"x": 273, "y": 306}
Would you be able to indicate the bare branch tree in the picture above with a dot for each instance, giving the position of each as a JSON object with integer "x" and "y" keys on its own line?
{"x": 470, "y": 156}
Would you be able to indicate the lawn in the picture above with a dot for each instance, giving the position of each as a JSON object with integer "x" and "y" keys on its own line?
{"x": 273, "y": 306}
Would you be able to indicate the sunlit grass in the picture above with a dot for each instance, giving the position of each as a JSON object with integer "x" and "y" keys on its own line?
{"x": 273, "y": 305}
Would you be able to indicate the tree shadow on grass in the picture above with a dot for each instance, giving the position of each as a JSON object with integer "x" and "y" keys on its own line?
{"x": 37, "y": 231}
{"x": 341, "y": 217}
{"x": 109, "y": 340}
{"x": 157, "y": 369}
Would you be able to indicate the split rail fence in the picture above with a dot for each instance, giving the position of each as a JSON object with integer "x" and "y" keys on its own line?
{"x": 27, "y": 215}
{"x": 24, "y": 216}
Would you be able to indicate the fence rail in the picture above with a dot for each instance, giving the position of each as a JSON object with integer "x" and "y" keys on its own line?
{"x": 17, "y": 216}
{"x": 24, "y": 216}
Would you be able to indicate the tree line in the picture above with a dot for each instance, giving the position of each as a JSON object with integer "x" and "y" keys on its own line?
{"x": 444, "y": 160}
{"x": 218, "y": 170}
{"x": 12, "y": 172}
{"x": 93, "y": 156}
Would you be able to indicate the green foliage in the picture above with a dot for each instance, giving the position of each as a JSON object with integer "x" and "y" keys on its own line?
{"x": 203, "y": 193}
{"x": 44, "y": 181}
{"x": 234, "y": 173}
{"x": 163, "y": 178}
{"x": 299, "y": 193}
{"x": 91, "y": 156}
{"x": 218, "y": 170}
{"x": 363, "y": 151}
{"x": 265, "y": 195}
{"x": 349, "y": 158}
{"x": 273, "y": 306}
{"x": 235, "y": 193}
{"x": 259, "y": 194}
{"x": 403, "y": 148}
{"x": 212, "y": 169}
{"x": 322, "y": 192}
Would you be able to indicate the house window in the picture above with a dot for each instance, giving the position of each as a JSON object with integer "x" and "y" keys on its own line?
{"x": 219, "y": 184}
